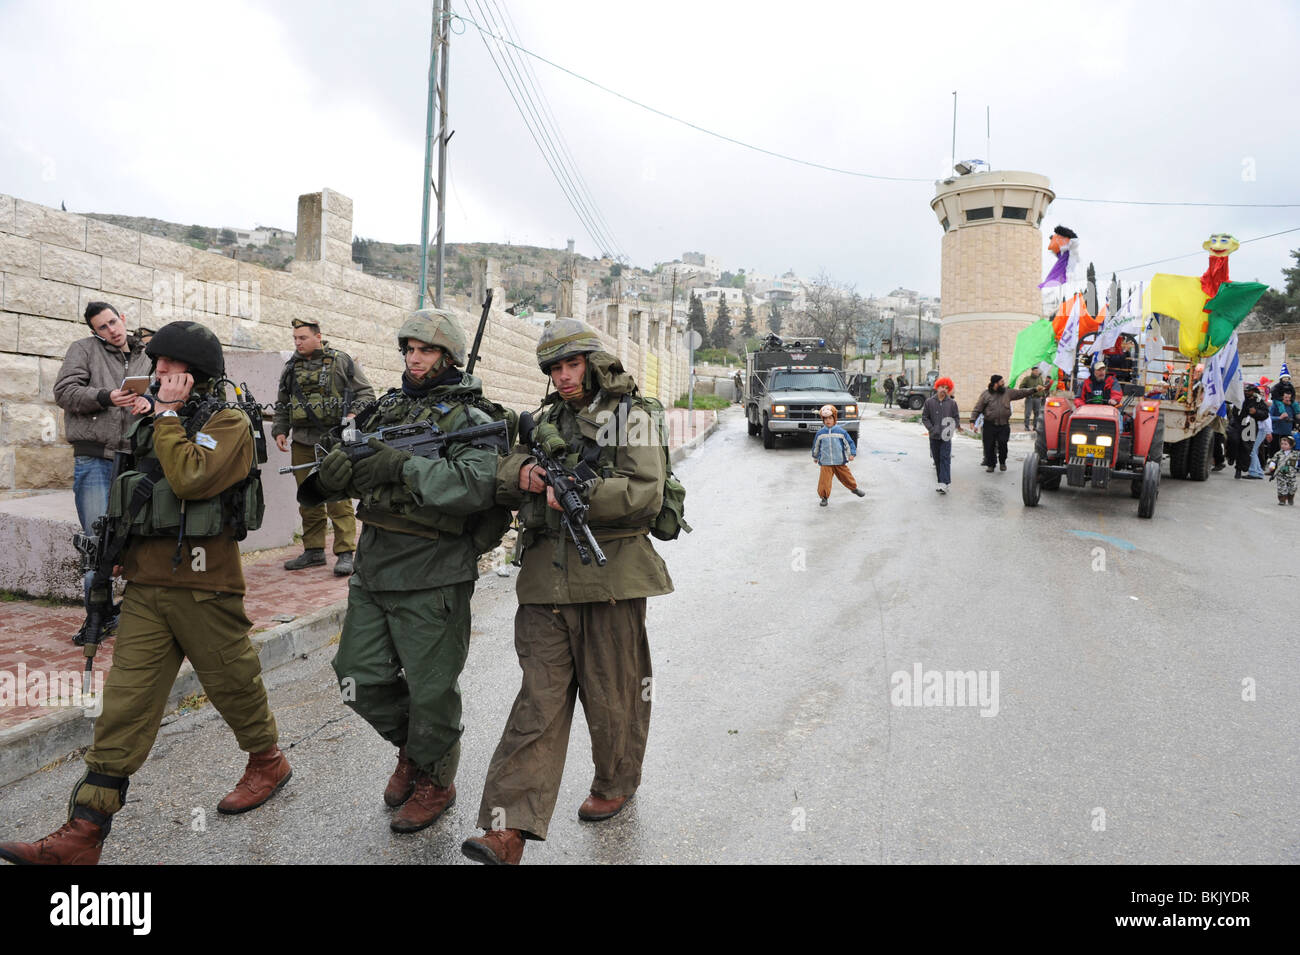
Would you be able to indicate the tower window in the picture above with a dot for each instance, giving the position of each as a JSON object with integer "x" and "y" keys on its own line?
{"x": 1015, "y": 212}
{"x": 975, "y": 215}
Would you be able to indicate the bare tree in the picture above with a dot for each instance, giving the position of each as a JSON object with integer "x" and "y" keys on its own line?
{"x": 833, "y": 311}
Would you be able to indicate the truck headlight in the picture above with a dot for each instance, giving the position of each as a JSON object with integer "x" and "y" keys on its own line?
{"x": 1078, "y": 439}
{"x": 778, "y": 409}
{"x": 1105, "y": 440}
{"x": 850, "y": 410}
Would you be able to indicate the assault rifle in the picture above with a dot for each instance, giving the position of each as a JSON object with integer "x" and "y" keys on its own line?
{"x": 423, "y": 439}
{"x": 570, "y": 485}
{"x": 99, "y": 552}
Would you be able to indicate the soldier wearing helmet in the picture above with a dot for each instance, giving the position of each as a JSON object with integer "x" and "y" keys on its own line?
{"x": 316, "y": 383}
{"x": 406, "y": 634}
{"x": 580, "y": 628}
{"x": 184, "y": 597}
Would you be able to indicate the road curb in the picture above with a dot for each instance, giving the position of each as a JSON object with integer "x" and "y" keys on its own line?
{"x": 30, "y": 746}
{"x": 678, "y": 454}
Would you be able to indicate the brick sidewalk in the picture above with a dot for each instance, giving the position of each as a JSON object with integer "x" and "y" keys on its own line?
{"x": 40, "y": 637}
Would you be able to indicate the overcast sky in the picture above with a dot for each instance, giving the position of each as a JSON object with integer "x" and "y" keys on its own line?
{"x": 223, "y": 113}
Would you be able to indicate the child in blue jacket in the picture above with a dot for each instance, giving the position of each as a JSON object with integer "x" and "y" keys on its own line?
{"x": 833, "y": 449}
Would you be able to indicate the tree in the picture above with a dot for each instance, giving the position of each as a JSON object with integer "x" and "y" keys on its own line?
{"x": 227, "y": 237}
{"x": 747, "y": 329}
{"x": 1281, "y": 308}
{"x": 726, "y": 279}
{"x": 198, "y": 233}
{"x": 696, "y": 319}
{"x": 774, "y": 317}
{"x": 834, "y": 312}
{"x": 722, "y": 325}
{"x": 738, "y": 280}
{"x": 616, "y": 269}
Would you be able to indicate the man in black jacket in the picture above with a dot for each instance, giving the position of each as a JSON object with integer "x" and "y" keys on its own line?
{"x": 1244, "y": 427}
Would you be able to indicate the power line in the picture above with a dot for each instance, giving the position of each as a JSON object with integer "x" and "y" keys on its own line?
{"x": 592, "y": 231}
{"x": 835, "y": 169}
{"x": 1188, "y": 255}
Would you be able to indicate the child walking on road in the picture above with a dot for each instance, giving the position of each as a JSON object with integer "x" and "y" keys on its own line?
{"x": 833, "y": 449}
{"x": 1283, "y": 467}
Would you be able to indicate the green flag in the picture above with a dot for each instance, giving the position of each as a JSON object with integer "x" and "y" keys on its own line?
{"x": 1230, "y": 307}
{"x": 1034, "y": 344}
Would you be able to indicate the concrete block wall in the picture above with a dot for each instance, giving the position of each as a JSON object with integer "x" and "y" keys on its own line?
{"x": 53, "y": 263}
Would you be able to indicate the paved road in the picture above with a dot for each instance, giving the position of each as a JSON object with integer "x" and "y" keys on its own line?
{"x": 774, "y": 739}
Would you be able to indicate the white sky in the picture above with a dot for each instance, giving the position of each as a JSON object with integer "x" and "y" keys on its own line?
{"x": 223, "y": 113}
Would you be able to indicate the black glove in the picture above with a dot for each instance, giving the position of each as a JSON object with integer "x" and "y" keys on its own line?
{"x": 334, "y": 473}
{"x": 382, "y": 467}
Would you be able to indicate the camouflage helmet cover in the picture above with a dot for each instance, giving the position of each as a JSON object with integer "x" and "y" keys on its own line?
{"x": 191, "y": 343}
{"x": 564, "y": 337}
{"x": 435, "y": 327}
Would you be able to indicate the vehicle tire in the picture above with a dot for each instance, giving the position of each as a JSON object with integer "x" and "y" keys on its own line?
{"x": 1178, "y": 458}
{"x": 916, "y": 402}
{"x": 751, "y": 427}
{"x": 1040, "y": 439}
{"x": 1198, "y": 455}
{"x": 1150, "y": 489}
{"x": 769, "y": 439}
{"x": 1029, "y": 486}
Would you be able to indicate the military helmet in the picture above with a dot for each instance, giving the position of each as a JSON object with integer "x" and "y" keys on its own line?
{"x": 191, "y": 343}
{"x": 434, "y": 326}
{"x": 564, "y": 337}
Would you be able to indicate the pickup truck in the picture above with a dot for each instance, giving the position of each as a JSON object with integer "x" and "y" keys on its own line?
{"x": 913, "y": 396}
{"x": 786, "y": 385}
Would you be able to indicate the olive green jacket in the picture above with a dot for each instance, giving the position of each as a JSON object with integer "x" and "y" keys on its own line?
{"x": 623, "y": 503}
{"x": 344, "y": 375}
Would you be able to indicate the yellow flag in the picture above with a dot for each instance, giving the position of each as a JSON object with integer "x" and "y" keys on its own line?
{"x": 1180, "y": 297}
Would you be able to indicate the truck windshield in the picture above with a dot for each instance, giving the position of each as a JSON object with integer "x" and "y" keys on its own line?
{"x": 806, "y": 381}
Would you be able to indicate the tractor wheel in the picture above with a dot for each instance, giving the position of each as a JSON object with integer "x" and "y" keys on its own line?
{"x": 1040, "y": 439}
{"x": 1178, "y": 458}
{"x": 1198, "y": 456}
{"x": 769, "y": 439}
{"x": 916, "y": 402}
{"x": 1029, "y": 487}
{"x": 1150, "y": 489}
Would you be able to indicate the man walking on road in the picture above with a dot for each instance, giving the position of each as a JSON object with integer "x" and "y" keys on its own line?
{"x": 313, "y": 387}
{"x": 942, "y": 419}
{"x": 180, "y": 505}
{"x": 580, "y": 629}
{"x": 995, "y": 405}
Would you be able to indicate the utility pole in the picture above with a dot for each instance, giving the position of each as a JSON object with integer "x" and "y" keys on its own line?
{"x": 438, "y": 43}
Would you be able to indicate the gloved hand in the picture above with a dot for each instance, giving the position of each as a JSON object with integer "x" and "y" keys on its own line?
{"x": 334, "y": 472}
{"x": 382, "y": 467}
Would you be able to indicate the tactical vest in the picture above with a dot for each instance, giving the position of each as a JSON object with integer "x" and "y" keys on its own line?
{"x": 310, "y": 387}
{"x": 391, "y": 506}
{"x": 156, "y": 511}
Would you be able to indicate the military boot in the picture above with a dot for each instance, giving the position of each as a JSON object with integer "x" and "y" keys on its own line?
{"x": 597, "y": 808}
{"x": 265, "y": 775}
{"x": 77, "y": 842}
{"x": 343, "y": 566}
{"x": 311, "y": 557}
{"x": 428, "y": 801}
{"x": 402, "y": 783}
{"x": 495, "y": 847}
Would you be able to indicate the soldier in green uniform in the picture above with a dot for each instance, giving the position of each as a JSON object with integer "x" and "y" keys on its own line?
{"x": 580, "y": 628}
{"x": 406, "y": 634}
{"x": 184, "y": 599}
{"x": 312, "y": 389}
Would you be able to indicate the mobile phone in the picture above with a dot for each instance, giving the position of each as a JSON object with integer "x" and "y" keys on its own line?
{"x": 136, "y": 383}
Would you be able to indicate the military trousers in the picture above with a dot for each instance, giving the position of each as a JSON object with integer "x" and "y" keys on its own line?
{"x": 594, "y": 652}
{"x": 398, "y": 666}
{"x": 315, "y": 519}
{"x": 159, "y": 627}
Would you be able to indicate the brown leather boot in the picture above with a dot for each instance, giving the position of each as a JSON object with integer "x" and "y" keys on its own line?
{"x": 428, "y": 801}
{"x": 77, "y": 842}
{"x": 595, "y": 808}
{"x": 495, "y": 847}
{"x": 264, "y": 776}
{"x": 402, "y": 783}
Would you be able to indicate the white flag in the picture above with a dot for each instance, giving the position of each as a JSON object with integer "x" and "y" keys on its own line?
{"x": 1127, "y": 321}
{"x": 1069, "y": 339}
{"x": 1234, "y": 386}
{"x": 1153, "y": 352}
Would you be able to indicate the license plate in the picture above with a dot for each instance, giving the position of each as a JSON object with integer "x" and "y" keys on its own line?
{"x": 1091, "y": 451}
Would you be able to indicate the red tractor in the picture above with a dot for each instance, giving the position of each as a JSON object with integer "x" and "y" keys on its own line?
{"x": 1097, "y": 444}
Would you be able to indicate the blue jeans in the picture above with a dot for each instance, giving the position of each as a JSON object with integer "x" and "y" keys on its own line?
{"x": 941, "y": 452}
{"x": 1255, "y": 468}
{"x": 90, "y": 485}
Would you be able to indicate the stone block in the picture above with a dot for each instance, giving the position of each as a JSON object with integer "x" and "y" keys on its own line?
{"x": 211, "y": 267}
{"x": 35, "y": 296}
{"x": 68, "y": 265}
{"x": 49, "y": 466}
{"x": 8, "y": 332}
{"x": 308, "y": 245}
{"x": 6, "y": 213}
{"x": 48, "y": 337}
{"x": 28, "y": 423}
{"x": 126, "y": 278}
{"x": 50, "y": 368}
{"x": 18, "y": 255}
{"x": 165, "y": 255}
{"x": 112, "y": 241}
{"x": 20, "y": 376}
{"x": 49, "y": 225}
{"x": 335, "y": 203}
{"x": 337, "y": 251}
{"x": 337, "y": 227}
{"x": 6, "y": 464}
